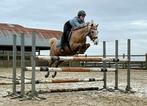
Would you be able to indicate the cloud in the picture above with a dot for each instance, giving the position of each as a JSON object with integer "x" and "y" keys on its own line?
{"x": 140, "y": 24}
{"x": 119, "y": 20}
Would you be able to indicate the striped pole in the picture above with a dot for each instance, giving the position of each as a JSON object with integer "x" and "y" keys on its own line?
{"x": 71, "y": 69}
{"x": 75, "y": 58}
{"x": 68, "y": 90}
{"x": 56, "y": 81}
{"x": 73, "y": 80}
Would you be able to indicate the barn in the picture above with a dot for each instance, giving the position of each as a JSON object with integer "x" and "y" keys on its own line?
{"x": 6, "y": 40}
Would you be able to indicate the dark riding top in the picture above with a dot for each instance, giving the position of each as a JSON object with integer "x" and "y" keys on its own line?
{"x": 73, "y": 23}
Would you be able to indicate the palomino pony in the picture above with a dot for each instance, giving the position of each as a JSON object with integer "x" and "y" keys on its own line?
{"x": 77, "y": 43}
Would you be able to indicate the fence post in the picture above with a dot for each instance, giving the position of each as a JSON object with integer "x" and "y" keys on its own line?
{"x": 146, "y": 61}
{"x": 116, "y": 65}
{"x": 104, "y": 65}
{"x": 14, "y": 65}
{"x": 22, "y": 65}
{"x": 33, "y": 62}
{"x": 8, "y": 60}
{"x": 128, "y": 88}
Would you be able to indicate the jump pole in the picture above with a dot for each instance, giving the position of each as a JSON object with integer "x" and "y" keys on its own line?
{"x": 75, "y": 58}
{"x": 75, "y": 80}
{"x": 71, "y": 69}
{"x": 14, "y": 65}
{"x": 68, "y": 90}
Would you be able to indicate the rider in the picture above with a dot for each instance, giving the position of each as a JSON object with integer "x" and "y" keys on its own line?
{"x": 73, "y": 23}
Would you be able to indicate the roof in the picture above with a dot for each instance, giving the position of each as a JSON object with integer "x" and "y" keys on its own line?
{"x": 42, "y": 36}
{"x": 10, "y": 29}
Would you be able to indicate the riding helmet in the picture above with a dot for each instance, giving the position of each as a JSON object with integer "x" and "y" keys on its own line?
{"x": 81, "y": 13}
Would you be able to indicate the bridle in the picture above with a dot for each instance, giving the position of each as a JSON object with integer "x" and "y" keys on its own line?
{"x": 91, "y": 32}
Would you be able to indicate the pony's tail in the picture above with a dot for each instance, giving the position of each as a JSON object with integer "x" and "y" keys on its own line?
{"x": 51, "y": 41}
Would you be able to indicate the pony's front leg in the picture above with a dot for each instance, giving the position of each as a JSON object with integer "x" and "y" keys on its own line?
{"x": 84, "y": 48}
{"x": 77, "y": 47}
{"x": 57, "y": 64}
{"x": 49, "y": 65}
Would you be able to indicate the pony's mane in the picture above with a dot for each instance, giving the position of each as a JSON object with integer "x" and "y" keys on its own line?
{"x": 80, "y": 27}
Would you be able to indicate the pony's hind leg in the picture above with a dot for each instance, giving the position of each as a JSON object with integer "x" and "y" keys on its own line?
{"x": 48, "y": 71}
{"x": 57, "y": 64}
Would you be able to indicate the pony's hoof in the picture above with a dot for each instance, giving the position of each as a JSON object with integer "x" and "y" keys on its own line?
{"x": 46, "y": 76}
{"x": 54, "y": 75}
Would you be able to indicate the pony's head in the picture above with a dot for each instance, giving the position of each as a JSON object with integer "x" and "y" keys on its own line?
{"x": 92, "y": 32}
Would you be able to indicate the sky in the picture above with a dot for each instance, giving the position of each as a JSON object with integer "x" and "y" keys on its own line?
{"x": 118, "y": 19}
